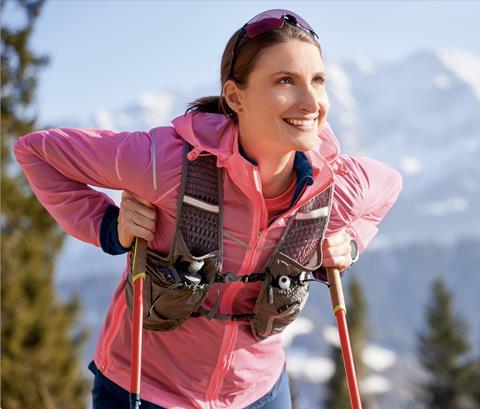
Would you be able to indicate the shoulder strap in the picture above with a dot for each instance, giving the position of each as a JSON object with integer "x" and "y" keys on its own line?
{"x": 302, "y": 240}
{"x": 200, "y": 204}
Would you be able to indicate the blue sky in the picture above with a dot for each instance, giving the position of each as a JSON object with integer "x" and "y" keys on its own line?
{"x": 104, "y": 53}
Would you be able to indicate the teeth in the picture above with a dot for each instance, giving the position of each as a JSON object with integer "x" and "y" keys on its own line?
{"x": 297, "y": 122}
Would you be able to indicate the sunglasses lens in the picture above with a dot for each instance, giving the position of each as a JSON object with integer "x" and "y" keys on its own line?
{"x": 272, "y": 19}
{"x": 262, "y": 26}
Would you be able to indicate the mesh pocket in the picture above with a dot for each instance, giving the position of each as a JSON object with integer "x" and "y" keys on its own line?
{"x": 273, "y": 318}
{"x": 278, "y": 307}
{"x": 171, "y": 293}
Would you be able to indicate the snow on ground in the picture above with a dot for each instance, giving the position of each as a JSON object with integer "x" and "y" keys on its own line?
{"x": 377, "y": 357}
{"x": 298, "y": 327}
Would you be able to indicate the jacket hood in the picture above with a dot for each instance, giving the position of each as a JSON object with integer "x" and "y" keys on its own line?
{"x": 216, "y": 134}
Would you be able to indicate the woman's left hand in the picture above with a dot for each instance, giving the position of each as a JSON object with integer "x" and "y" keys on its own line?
{"x": 337, "y": 251}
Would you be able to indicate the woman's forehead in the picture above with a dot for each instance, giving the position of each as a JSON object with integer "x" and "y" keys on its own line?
{"x": 290, "y": 58}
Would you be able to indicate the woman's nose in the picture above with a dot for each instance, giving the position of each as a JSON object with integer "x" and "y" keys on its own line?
{"x": 310, "y": 99}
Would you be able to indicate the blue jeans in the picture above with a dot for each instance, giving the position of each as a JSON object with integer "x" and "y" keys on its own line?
{"x": 108, "y": 395}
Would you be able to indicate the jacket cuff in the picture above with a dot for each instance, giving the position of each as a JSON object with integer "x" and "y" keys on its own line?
{"x": 109, "y": 233}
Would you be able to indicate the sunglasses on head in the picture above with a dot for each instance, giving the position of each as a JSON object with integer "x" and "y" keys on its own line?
{"x": 266, "y": 21}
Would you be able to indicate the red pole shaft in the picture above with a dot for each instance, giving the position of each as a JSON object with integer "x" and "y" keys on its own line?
{"x": 348, "y": 360}
{"x": 339, "y": 310}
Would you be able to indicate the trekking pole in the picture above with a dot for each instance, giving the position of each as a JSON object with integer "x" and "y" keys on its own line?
{"x": 339, "y": 310}
{"x": 138, "y": 278}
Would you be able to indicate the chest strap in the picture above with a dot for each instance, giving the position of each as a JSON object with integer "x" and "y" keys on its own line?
{"x": 203, "y": 312}
{"x": 231, "y": 277}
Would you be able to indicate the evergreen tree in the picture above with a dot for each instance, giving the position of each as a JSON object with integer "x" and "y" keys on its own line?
{"x": 293, "y": 391}
{"x": 475, "y": 383}
{"x": 39, "y": 349}
{"x": 442, "y": 349}
{"x": 337, "y": 396}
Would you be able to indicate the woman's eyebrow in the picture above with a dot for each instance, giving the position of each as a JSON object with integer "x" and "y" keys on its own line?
{"x": 294, "y": 74}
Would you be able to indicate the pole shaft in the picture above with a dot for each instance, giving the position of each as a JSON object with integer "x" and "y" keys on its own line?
{"x": 348, "y": 360}
{"x": 339, "y": 310}
{"x": 136, "y": 354}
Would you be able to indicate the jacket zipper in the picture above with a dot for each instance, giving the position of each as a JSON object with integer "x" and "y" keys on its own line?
{"x": 232, "y": 327}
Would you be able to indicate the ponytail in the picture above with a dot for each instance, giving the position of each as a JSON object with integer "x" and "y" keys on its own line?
{"x": 213, "y": 104}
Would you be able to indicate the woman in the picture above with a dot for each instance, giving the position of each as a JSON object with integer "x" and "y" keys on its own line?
{"x": 269, "y": 134}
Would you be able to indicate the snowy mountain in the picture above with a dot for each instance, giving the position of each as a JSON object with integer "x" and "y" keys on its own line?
{"x": 421, "y": 115}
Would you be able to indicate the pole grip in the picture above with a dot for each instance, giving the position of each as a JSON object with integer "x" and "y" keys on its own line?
{"x": 336, "y": 291}
{"x": 139, "y": 256}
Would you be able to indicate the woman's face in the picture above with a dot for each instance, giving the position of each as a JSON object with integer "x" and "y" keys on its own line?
{"x": 272, "y": 96}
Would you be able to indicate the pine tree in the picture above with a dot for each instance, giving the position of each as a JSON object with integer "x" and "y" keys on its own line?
{"x": 475, "y": 382}
{"x": 293, "y": 391}
{"x": 337, "y": 396}
{"x": 442, "y": 351}
{"x": 39, "y": 349}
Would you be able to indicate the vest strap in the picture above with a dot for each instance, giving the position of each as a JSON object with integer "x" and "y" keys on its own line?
{"x": 231, "y": 277}
{"x": 203, "y": 312}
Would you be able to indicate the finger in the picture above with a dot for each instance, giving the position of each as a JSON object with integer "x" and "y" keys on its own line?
{"x": 140, "y": 231}
{"x": 140, "y": 220}
{"x": 341, "y": 262}
{"x": 336, "y": 238}
{"x": 340, "y": 250}
{"x": 136, "y": 207}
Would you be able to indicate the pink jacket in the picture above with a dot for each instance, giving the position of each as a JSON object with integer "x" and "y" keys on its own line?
{"x": 202, "y": 364}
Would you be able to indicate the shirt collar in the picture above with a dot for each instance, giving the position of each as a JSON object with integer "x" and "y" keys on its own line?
{"x": 302, "y": 167}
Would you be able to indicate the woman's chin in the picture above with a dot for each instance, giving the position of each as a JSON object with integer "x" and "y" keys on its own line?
{"x": 305, "y": 142}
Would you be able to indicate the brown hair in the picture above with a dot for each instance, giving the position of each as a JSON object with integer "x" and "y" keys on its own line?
{"x": 249, "y": 52}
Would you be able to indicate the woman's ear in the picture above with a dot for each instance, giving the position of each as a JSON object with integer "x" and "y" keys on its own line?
{"x": 232, "y": 96}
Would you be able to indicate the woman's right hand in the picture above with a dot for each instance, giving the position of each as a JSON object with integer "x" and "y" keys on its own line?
{"x": 137, "y": 218}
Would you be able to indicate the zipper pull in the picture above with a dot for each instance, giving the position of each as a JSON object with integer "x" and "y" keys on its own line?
{"x": 340, "y": 169}
{"x": 270, "y": 294}
{"x": 193, "y": 154}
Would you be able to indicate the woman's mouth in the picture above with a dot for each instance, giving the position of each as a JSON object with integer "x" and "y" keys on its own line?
{"x": 302, "y": 125}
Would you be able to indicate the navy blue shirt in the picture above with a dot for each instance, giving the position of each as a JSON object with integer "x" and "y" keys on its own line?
{"x": 108, "y": 228}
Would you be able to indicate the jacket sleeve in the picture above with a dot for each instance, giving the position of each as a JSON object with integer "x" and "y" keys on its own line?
{"x": 59, "y": 164}
{"x": 364, "y": 193}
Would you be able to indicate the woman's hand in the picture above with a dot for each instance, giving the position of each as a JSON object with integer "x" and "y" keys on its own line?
{"x": 136, "y": 218}
{"x": 337, "y": 251}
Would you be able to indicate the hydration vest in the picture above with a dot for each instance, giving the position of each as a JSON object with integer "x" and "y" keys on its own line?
{"x": 176, "y": 285}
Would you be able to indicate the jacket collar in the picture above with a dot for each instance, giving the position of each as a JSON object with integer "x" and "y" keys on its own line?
{"x": 216, "y": 134}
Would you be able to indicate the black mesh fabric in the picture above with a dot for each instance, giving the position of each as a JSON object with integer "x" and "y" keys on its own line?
{"x": 303, "y": 237}
{"x": 202, "y": 179}
{"x": 199, "y": 227}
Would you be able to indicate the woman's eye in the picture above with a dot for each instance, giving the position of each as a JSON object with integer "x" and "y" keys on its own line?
{"x": 285, "y": 78}
{"x": 320, "y": 80}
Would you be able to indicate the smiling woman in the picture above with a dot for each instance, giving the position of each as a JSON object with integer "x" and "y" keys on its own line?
{"x": 247, "y": 194}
